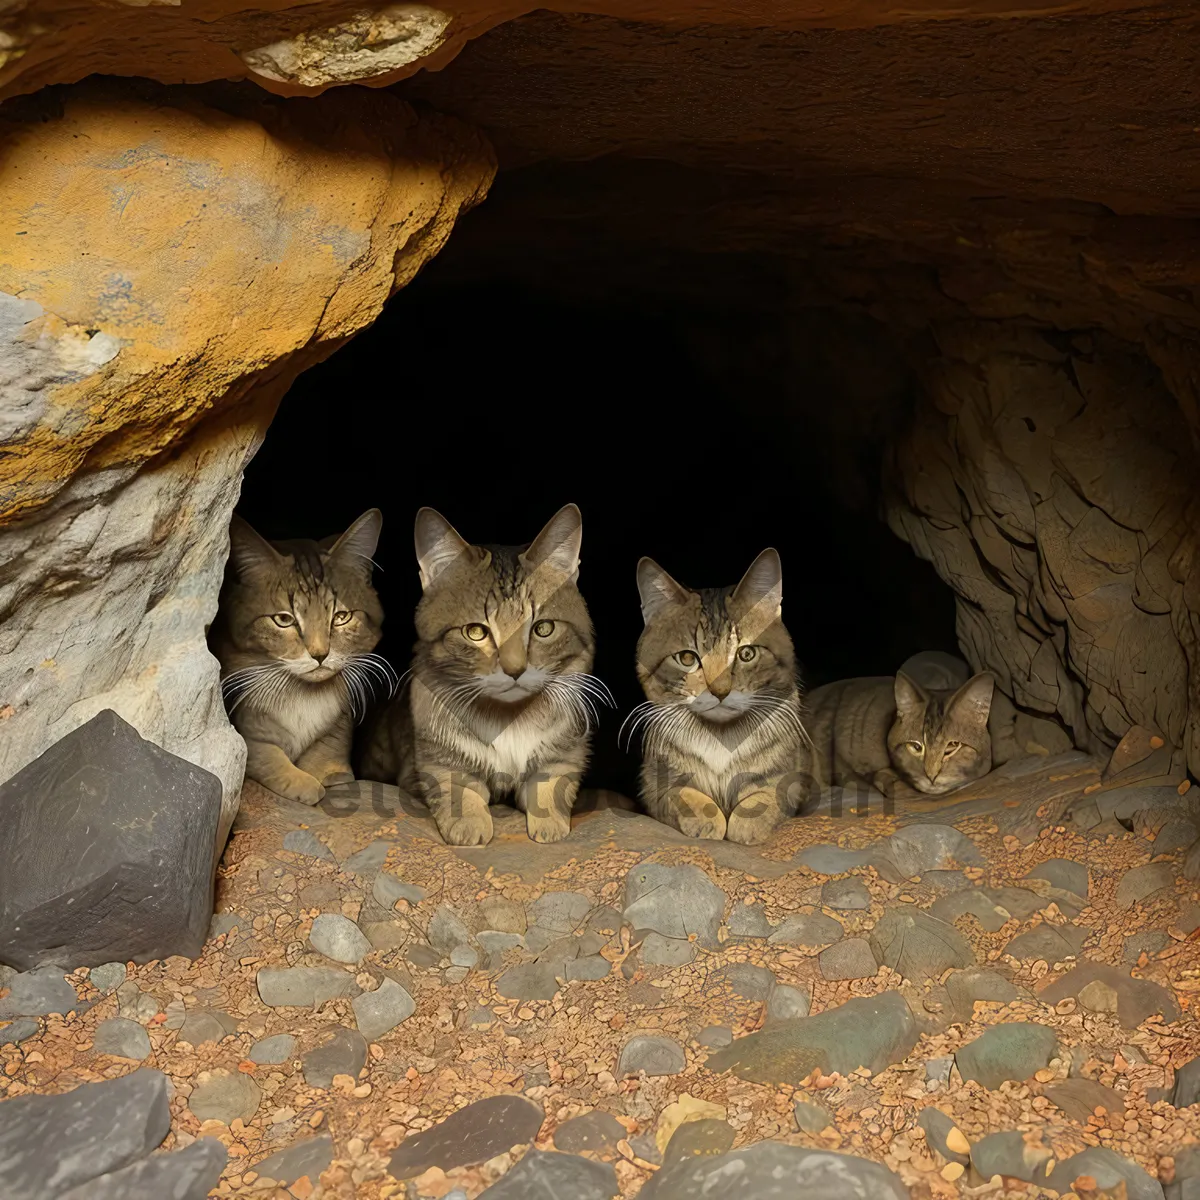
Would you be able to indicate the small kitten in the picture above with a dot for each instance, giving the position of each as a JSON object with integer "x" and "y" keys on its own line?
{"x": 500, "y": 702}
{"x": 890, "y": 732}
{"x": 724, "y": 750}
{"x": 294, "y": 634}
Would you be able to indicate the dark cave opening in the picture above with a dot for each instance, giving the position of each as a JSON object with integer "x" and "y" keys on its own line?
{"x": 678, "y": 425}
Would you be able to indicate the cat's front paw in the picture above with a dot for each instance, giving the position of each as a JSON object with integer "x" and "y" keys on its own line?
{"x": 699, "y": 816}
{"x": 473, "y": 828}
{"x": 552, "y": 827}
{"x": 338, "y": 775}
{"x": 752, "y": 822}
{"x": 301, "y": 786}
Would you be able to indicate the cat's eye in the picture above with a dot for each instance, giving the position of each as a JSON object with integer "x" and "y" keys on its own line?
{"x": 748, "y": 653}
{"x": 475, "y": 632}
{"x": 284, "y": 620}
{"x": 544, "y": 628}
{"x": 687, "y": 659}
{"x": 916, "y": 747}
{"x": 342, "y": 617}
{"x": 952, "y": 748}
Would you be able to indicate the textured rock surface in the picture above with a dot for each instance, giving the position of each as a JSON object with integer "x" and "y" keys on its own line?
{"x": 186, "y": 1174}
{"x": 113, "y": 357}
{"x": 107, "y": 844}
{"x": 473, "y": 1134}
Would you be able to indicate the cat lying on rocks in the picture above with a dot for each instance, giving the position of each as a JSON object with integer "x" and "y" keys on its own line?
{"x": 924, "y": 729}
{"x": 500, "y": 702}
{"x": 294, "y": 634}
{"x": 724, "y": 751}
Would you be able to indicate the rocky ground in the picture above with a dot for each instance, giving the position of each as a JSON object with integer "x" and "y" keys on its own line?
{"x": 990, "y": 995}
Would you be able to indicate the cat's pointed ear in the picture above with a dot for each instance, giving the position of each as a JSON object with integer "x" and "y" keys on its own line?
{"x": 910, "y": 695}
{"x": 974, "y": 699}
{"x": 356, "y": 547}
{"x": 657, "y": 589}
{"x": 761, "y": 590}
{"x": 557, "y": 546}
{"x": 438, "y": 544}
{"x": 249, "y": 551}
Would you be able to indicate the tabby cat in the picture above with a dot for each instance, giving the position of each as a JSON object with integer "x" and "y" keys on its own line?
{"x": 296, "y": 626}
{"x": 894, "y": 732}
{"x": 500, "y": 701}
{"x": 724, "y": 750}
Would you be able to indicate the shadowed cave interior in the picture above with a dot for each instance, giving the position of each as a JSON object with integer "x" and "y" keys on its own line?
{"x": 686, "y": 426}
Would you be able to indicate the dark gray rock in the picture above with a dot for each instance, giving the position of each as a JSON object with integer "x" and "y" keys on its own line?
{"x": 846, "y": 894}
{"x": 107, "y": 845}
{"x": 921, "y": 848}
{"x": 495, "y": 941}
{"x": 269, "y": 1052}
{"x": 137, "y": 1005}
{"x": 646, "y": 1148}
{"x": 304, "y": 841}
{"x": 469, "y": 1136}
{"x": 187, "y": 1174}
{"x": 219, "y": 926}
{"x": 806, "y": 929}
{"x": 309, "y": 1156}
{"x": 37, "y": 994}
{"x": 786, "y": 1002}
{"x": 938, "y": 1126}
{"x": 1008, "y": 1155}
{"x": 1065, "y": 874}
{"x": 773, "y": 1171}
{"x": 545, "y": 1175}
{"x": 833, "y": 860}
{"x": 991, "y": 907}
{"x": 338, "y": 937}
{"x": 368, "y": 860}
{"x": 1143, "y": 882}
{"x": 380, "y": 1011}
{"x": 749, "y": 921}
{"x": 225, "y": 1096}
{"x": 422, "y": 956}
{"x": 849, "y": 959}
{"x": 1109, "y": 1170}
{"x": 871, "y": 1032}
{"x": 51, "y": 1144}
{"x": 1053, "y": 943}
{"x": 1137, "y": 999}
{"x": 303, "y": 987}
{"x": 591, "y": 968}
{"x": 1003, "y": 1052}
{"x": 937, "y": 1070}
{"x": 748, "y": 981}
{"x": 1079, "y": 1098}
{"x": 811, "y": 1118}
{"x": 918, "y": 945}
{"x": 659, "y": 951}
{"x": 1186, "y": 1089}
{"x": 388, "y": 890}
{"x": 699, "y": 1139}
{"x": 715, "y": 1037}
{"x": 652, "y": 1053}
{"x": 18, "y": 1031}
{"x": 674, "y": 901}
{"x": 593, "y": 1130}
{"x": 1148, "y": 943}
{"x": 125, "y": 1039}
{"x": 342, "y": 1052}
{"x": 977, "y": 983}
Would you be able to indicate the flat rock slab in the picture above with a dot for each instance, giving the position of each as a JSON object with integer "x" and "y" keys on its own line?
{"x": 1008, "y": 1154}
{"x": 652, "y": 1053}
{"x": 380, "y": 1011}
{"x": 786, "y": 1002}
{"x": 659, "y": 951}
{"x": 224, "y": 1096}
{"x": 1079, "y": 1098}
{"x": 107, "y": 844}
{"x": 849, "y": 895}
{"x": 187, "y": 1174}
{"x": 1109, "y": 1170}
{"x": 343, "y": 1052}
{"x": 271, "y": 1051}
{"x": 677, "y": 902}
{"x": 1007, "y": 1052}
{"x": 545, "y": 1175}
{"x": 309, "y": 1156}
{"x": 563, "y": 912}
{"x": 931, "y": 847}
{"x": 304, "y": 841}
{"x": 37, "y": 994}
{"x": 849, "y": 959}
{"x": 918, "y": 945}
{"x": 446, "y": 930}
{"x": 1064, "y": 873}
{"x": 1054, "y": 943}
{"x": 470, "y": 1136}
{"x": 967, "y": 986}
{"x": 368, "y": 860}
{"x": 13, "y": 1033}
{"x": 773, "y": 1171}
{"x": 807, "y": 929}
{"x": 203, "y": 1025}
{"x": 747, "y": 981}
{"x": 123, "y": 1038}
{"x": 872, "y": 1032}
{"x": 529, "y": 981}
{"x": 749, "y": 921}
{"x": 388, "y": 890}
{"x": 303, "y": 987}
{"x": 699, "y": 1139}
{"x": 595, "y": 1131}
{"x": 51, "y": 1144}
{"x": 1136, "y": 999}
{"x": 811, "y": 1118}
{"x": 337, "y": 937}
{"x": 1143, "y": 882}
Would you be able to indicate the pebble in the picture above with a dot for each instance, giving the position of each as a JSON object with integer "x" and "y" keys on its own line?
{"x": 309, "y": 1156}
{"x": 967, "y": 986}
{"x": 108, "y": 976}
{"x": 224, "y": 1096}
{"x": 421, "y": 955}
{"x": 464, "y": 956}
{"x": 1053, "y": 943}
{"x": 338, "y": 937}
{"x": 123, "y": 1038}
{"x": 368, "y": 860}
{"x": 497, "y": 941}
{"x": 944, "y": 1136}
{"x": 446, "y": 931}
{"x": 811, "y": 1118}
{"x": 1143, "y": 882}
{"x": 850, "y": 959}
{"x": 562, "y": 912}
{"x": 937, "y": 1070}
{"x": 1013, "y": 1051}
{"x": 674, "y": 901}
{"x": 135, "y": 1004}
{"x": 652, "y": 1053}
{"x": 304, "y": 841}
{"x": 203, "y": 1025}
{"x": 846, "y": 894}
{"x": 921, "y": 848}
{"x": 471, "y": 1135}
{"x": 303, "y": 987}
{"x": 594, "y": 1131}
{"x": 700, "y": 1138}
{"x": 380, "y": 1011}
{"x": 748, "y": 981}
{"x": 833, "y": 860}
{"x": 388, "y": 890}
{"x": 787, "y": 1002}
{"x": 1009, "y": 1155}
{"x": 343, "y": 1052}
{"x": 659, "y": 951}
{"x": 38, "y": 993}
{"x": 547, "y": 1173}
{"x": 591, "y": 968}
{"x": 528, "y": 981}
{"x": 918, "y": 945}
{"x": 1065, "y": 874}
{"x": 1136, "y": 999}
{"x": 749, "y": 921}
{"x": 271, "y": 1051}
{"x": 807, "y": 929}
{"x": 1079, "y": 1098}
{"x": 1109, "y": 1170}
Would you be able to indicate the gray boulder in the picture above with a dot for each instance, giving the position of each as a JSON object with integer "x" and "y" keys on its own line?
{"x": 187, "y": 1174}
{"x": 107, "y": 842}
{"x": 674, "y": 901}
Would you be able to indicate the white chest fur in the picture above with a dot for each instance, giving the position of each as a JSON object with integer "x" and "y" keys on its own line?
{"x": 307, "y": 712}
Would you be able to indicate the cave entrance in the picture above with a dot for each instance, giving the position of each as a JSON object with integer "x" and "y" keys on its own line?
{"x": 696, "y": 424}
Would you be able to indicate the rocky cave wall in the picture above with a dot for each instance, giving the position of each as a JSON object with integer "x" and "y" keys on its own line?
{"x": 171, "y": 259}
